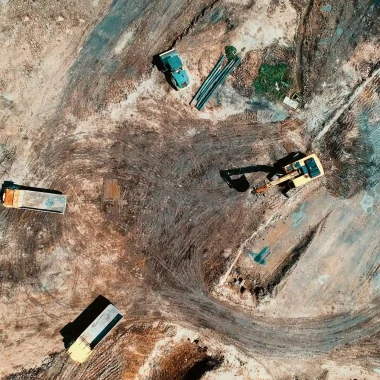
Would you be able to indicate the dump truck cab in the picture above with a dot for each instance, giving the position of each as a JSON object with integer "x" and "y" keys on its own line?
{"x": 172, "y": 66}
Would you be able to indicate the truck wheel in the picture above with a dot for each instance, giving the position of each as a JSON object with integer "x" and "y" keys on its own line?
{"x": 174, "y": 83}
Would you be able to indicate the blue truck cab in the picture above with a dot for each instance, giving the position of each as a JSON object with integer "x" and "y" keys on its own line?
{"x": 172, "y": 66}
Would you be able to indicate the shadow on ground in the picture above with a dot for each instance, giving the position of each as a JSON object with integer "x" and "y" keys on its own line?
{"x": 241, "y": 184}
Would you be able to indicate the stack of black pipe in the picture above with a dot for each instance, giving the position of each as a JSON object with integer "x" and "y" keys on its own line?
{"x": 213, "y": 81}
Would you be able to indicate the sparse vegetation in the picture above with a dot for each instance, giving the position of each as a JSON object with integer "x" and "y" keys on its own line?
{"x": 273, "y": 81}
{"x": 231, "y": 53}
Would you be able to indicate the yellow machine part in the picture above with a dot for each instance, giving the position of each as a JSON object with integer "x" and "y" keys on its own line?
{"x": 293, "y": 175}
{"x": 300, "y": 181}
{"x": 79, "y": 351}
{"x": 304, "y": 179}
{"x": 9, "y": 197}
{"x": 285, "y": 178}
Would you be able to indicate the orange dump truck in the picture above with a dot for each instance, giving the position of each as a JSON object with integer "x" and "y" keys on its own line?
{"x": 16, "y": 197}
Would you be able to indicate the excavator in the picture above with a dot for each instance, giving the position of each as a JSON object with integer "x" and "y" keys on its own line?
{"x": 296, "y": 174}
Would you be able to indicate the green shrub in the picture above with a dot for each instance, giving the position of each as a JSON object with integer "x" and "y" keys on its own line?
{"x": 265, "y": 82}
{"x": 231, "y": 53}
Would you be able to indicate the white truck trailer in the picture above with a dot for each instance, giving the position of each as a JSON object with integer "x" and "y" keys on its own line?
{"x": 16, "y": 196}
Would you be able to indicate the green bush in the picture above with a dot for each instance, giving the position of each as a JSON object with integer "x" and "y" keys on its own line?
{"x": 265, "y": 82}
{"x": 231, "y": 53}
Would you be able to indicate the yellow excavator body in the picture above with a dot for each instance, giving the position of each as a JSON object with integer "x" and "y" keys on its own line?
{"x": 297, "y": 173}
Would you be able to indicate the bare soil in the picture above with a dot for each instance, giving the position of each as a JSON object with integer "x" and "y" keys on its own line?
{"x": 151, "y": 224}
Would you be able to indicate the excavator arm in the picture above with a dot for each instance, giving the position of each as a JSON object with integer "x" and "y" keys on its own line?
{"x": 276, "y": 182}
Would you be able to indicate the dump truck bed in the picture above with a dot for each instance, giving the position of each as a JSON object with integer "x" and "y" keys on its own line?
{"x": 81, "y": 349}
{"x": 101, "y": 325}
{"x": 34, "y": 200}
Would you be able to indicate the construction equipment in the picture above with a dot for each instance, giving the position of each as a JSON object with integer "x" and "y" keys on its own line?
{"x": 82, "y": 347}
{"x": 15, "y": 196}
{"x": 296, "y": 174}
{"x": 172, "y": 66}
{"x": 214, "y": 80}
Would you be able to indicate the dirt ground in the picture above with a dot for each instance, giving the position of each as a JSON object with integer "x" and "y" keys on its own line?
{"x": 150, "y": 223}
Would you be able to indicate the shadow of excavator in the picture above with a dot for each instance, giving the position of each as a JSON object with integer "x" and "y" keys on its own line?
{"x": 241, "y": 183}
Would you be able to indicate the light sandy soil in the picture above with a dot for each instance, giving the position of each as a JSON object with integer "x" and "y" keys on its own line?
{"x": 332, "y": 277}
{"x": 81, "y": 105}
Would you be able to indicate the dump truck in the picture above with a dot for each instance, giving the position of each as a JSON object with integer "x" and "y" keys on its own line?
{"x": 172, "y": 66}
{"x": 15, "y": 196}
{"x": 81, "y": 348}
{"x": 296, "y": 174}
